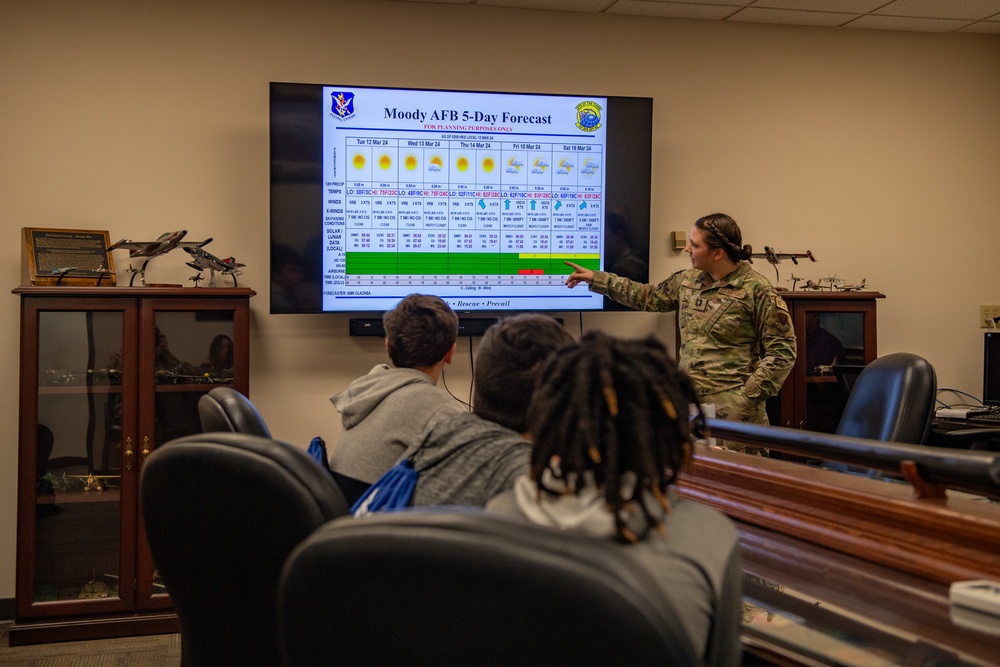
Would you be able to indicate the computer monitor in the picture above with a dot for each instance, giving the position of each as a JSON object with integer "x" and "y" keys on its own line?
{"x": 991, "y": 369}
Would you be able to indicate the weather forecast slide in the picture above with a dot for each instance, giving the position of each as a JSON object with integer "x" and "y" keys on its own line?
{"x": 480, "y": 196}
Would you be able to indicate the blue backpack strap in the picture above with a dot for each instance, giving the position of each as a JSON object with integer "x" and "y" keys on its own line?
{"x": 391, "y": 491}
{"x": 317, "y": 450}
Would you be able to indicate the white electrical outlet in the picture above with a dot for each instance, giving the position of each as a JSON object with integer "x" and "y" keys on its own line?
{"x": 989, "y": 317}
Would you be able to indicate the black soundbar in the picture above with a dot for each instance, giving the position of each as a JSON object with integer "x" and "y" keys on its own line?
{"x": 475, "y": 326}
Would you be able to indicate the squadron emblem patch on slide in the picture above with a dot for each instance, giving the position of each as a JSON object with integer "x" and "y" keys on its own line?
{"x": 588, "y": 116}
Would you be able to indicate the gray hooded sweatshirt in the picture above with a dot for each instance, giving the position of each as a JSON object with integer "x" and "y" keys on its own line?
{"x": 384, "y": 413}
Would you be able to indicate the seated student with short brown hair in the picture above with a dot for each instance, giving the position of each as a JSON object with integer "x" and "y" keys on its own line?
{"x": 392, "y": 407}
{"x": 611, "y": 430}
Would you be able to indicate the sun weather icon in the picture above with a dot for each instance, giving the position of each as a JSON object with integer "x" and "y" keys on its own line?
{"x": 514, "y": 165}
{"x": 588, "y": 116}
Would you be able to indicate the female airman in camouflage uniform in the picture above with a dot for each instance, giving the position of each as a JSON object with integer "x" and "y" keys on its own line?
{"x": 736, "y": 337}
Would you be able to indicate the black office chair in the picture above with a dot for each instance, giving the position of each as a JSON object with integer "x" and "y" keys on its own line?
{"x": 420, "y": 587}
{"x": 225, "y": 409}
{"x": 892, "y": 400}
{"x": 222, "y": 511}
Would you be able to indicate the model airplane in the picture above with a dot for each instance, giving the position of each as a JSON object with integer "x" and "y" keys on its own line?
{"x": 203, "y": 259}
{"x": 844, "y": 286}
{"x": 162, "y": 245}
{"x": 150, "y": 249}
{"x": 773, "y": 257}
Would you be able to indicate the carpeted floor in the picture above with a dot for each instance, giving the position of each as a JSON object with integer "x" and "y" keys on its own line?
{"x": 148, "y": 651}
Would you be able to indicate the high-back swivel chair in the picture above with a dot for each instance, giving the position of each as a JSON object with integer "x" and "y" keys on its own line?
{"x": 892, "y": 400}
{"x": 225, "y": 409}
{"x": 222, "y": 511}
{"x": 420, "y": 587}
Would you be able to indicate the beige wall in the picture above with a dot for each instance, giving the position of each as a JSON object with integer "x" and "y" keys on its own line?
{"x": 878, "y": 151}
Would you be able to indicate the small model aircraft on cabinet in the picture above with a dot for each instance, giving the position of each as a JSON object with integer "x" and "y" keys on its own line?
{"x": 202, "y": 259}
{"x": 773, "y": 257}
{"x": 150, "y": 249}
{"x": 845, "y": 286}
{"x": 162, "y": 245}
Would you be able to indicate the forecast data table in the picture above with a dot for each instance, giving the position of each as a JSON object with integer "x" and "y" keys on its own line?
{"x": 464, "y": 210}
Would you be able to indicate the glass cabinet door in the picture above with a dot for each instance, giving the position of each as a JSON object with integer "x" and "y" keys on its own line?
{"x": 194, "y": 348}
{"x": 82, "y": 469}
{"x": 832, "y": 339}
{"x": 830, "y": 336}
{"x": 193, "y": 354}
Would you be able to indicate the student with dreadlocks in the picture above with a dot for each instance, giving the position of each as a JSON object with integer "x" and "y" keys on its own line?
{"x": 736, "y": 337}
{"x": 610, "y": 424}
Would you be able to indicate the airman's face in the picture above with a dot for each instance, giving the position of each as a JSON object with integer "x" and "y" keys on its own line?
{"x": 702, "y": 257}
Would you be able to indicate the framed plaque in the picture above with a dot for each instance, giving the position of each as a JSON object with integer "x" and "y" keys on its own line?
{"x": 66, "y": 257}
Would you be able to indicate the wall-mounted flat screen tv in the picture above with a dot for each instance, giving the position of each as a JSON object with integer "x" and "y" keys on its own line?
{"x": 477, "y": 197}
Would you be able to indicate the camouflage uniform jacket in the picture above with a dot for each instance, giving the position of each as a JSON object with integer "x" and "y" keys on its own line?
{"x": 735, "y": 333}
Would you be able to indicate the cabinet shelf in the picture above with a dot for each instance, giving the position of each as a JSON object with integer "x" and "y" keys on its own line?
{"x": 74, "y": 497}
{"x": 49, "y": 390}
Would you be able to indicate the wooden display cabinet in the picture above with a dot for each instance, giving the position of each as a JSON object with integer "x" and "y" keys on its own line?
{"x": 107, "y": 375}
{"x": 829, "y": 325}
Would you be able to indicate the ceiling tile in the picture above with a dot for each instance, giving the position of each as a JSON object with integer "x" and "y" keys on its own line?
{"x": 842, "y": 6}
{"x": 972, "y": 10}
{"x": 989, "y": 27}
{"x": 873, "y": 22}
{"x": 589, "y": 6}
{"x": 674, "y": 10}
{"x": 790, "y": 17}
{"x": 724, "y": 3}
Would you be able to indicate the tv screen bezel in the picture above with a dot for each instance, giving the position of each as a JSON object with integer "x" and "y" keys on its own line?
{"x": 296, "y": 159}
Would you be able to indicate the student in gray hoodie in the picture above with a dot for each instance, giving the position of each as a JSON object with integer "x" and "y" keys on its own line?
{"x": 467, "y": 459}
{"x": 390, "y": 410}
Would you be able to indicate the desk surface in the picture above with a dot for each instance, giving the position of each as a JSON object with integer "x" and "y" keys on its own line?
{"x": 832, "y": 608}
{"x": 940, "y": 428}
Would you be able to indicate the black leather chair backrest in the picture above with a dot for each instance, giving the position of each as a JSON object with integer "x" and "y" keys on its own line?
{"x": 421, "y": 587}
{"x": 227, "y": 410}
{"x": 222, "y": 511}
{"x": 892, "y": 400}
